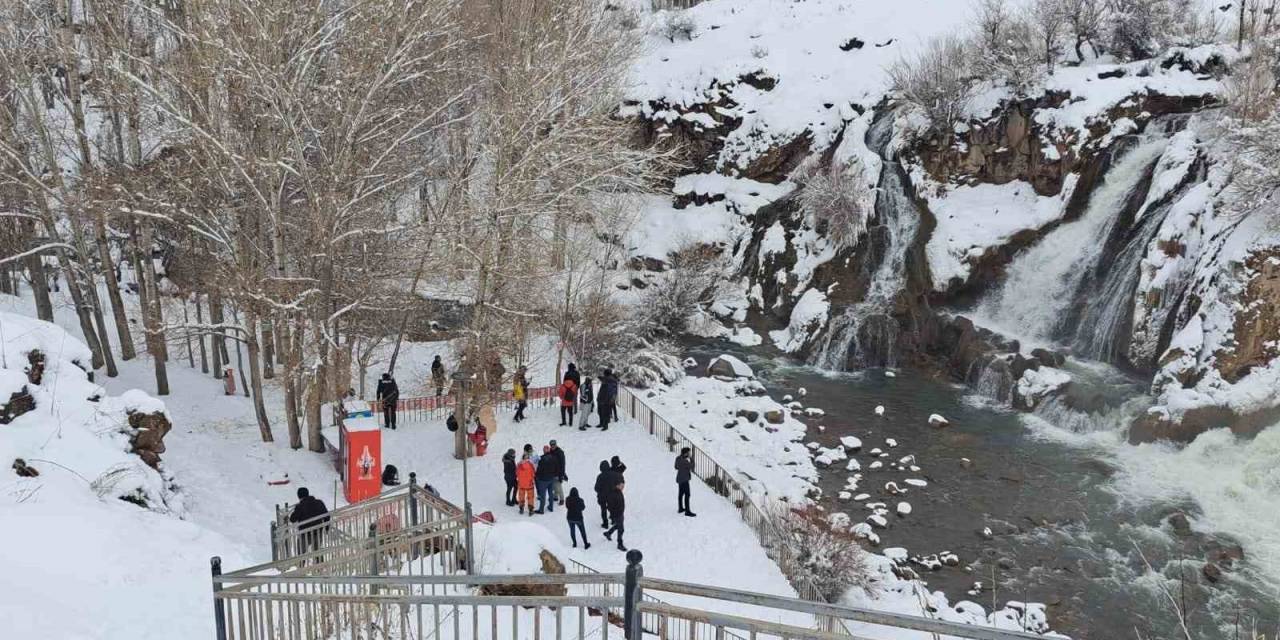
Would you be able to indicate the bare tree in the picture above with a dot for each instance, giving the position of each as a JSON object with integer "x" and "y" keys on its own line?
{"x": 936, "y": 81}
{"x": 1085, "y": 20}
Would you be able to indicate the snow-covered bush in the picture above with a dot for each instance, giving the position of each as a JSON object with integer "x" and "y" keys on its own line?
{"x": 936, "y": 80}
{"x": 818, "y": 552}
{"x": 1251, "y": 88}
{"x": 694, "y": 279}
{"x": 1141, "y": 28}
{"x": 615, "y": 337}
{"x": 651, "y": 362}
{"x": 1010, "y": 45}
{"x": 835, "y": 197}
{"x": 679, "y": 25}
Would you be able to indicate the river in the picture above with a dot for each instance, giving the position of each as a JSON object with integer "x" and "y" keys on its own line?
{"x": 1068, "y": 512}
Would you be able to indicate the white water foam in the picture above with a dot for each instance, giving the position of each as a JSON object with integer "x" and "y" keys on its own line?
{"x": 1233, "y": 481}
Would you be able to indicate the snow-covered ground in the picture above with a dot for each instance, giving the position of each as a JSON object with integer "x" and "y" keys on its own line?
{"x": 769, "y": 458}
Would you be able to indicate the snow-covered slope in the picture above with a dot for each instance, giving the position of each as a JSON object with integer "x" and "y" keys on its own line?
{"x": 94, "y": 546}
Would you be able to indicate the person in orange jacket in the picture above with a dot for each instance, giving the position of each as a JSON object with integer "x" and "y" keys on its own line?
{"x": 524, "y": 483}
{"x": 568, "y": 400}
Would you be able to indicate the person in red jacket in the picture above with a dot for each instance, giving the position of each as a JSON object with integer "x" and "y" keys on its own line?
{"x": 524, "y": 483}
{"x": 568, "y": 400}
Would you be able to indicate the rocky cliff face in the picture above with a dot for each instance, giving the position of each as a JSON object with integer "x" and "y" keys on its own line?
{"x": 1019, "y": 168}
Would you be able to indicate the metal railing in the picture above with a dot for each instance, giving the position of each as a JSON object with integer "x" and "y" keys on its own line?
{"x": 557, "y": 606}
{"x": 424, "y": 408}
{"x": 394, "y": 510}
{"x": 726, "y": 484}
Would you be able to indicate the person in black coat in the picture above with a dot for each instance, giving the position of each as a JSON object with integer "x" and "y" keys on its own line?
{"x": 574, "y": 375}
{"x": 543, "y": 478}
{"x": 684, "y": 473}
{"x": 617, "y": 506}
{"x": 603, "y": 489}
{"x": 509, "y": 475}
{"x": 576, "y": 505}
{"x": 388, "y": 394}
{"x": 312, "y": 517}
{"x": 557, "y": 483}
{"x": 607, "y": 398}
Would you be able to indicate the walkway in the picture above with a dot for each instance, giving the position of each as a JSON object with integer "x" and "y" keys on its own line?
{"x": 713, "y": 548}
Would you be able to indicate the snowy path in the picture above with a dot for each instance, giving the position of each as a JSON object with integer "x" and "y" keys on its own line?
{"x": 714, "y": 548}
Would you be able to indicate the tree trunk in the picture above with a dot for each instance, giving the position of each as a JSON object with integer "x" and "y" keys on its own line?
{"x": 204, "y": 359}
{"x": 244, "y": 384}
{"x": 268, "y": 351}
{"x": 127, "y": 351}
{"x": 39, "y": 282}
{"x": 217, "y": 341}
{"x": 255, "y": 375}
{"x": 152, "y": 316}
{"x": 291, "y": 340}
{"x": 319, "y": 383}
{"x": 186, "y": 334}
{"x": 82, "y": 309}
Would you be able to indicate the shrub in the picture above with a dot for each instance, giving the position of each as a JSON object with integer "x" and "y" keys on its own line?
{"x": 695, "y": 276}
{"x": 837, "y": 199}
{"x": 936, "y": 81}
{"x": 679, "y": 25}
{"x": 818, "y": 553}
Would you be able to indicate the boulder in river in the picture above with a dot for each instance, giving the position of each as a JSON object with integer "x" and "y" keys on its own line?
{"x": 729, "y": 367}
{"x": 1180, "y": 523}
{"x": 775, "y": 416}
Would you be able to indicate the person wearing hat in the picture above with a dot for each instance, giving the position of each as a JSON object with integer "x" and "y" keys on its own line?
{"x": 312, "y": 517}
{"x": 509, "y": 475}
{"x": 388, "y": 394}
{"x": 546, "y": 473}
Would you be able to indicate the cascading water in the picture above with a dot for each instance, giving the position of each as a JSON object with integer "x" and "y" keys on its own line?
{"x": 1105, "y": 326}
{"x": 866, "y": 331}
{"x": 1042, "y": 283}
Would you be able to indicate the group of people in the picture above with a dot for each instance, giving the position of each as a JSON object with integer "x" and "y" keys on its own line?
{"x": 544, "y": 475}
{"x": 540, "y": 473}
{"x": 575, "y": 392}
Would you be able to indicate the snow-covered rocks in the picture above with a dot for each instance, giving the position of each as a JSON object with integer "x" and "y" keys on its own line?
{"x": 839, "y": 520}
{"x": 880, "y": 410}
{"x": 851, "y": 443}
{"x": 891, "y": 443}
{"x": 853, "y": 465}
{"x": 898, "y": 555}
{"x": 904, "y": 509}
{"x": 802, "y": 392}
{"x": 814, "y": 412}
{"x": 936, "y": 420}
{"x": 916, "y": 482}
{"x": 875, "y": 465}
{"x": 893, "y": 489}
{"x": 1036, "y": 384}
{"x": 844, "y": 496}
{"x": 727, "y": 366}
{"x": 890, "y": 374}
{"x": 690, "y": 363}
{"x": 829, "y": 456}
{"x": 861, "y": 496}
{"x": 878, "y": 521}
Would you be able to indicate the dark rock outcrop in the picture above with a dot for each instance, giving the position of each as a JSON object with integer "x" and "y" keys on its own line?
{"x": 551, "y": 565}
{"x": 148, "y": 432}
